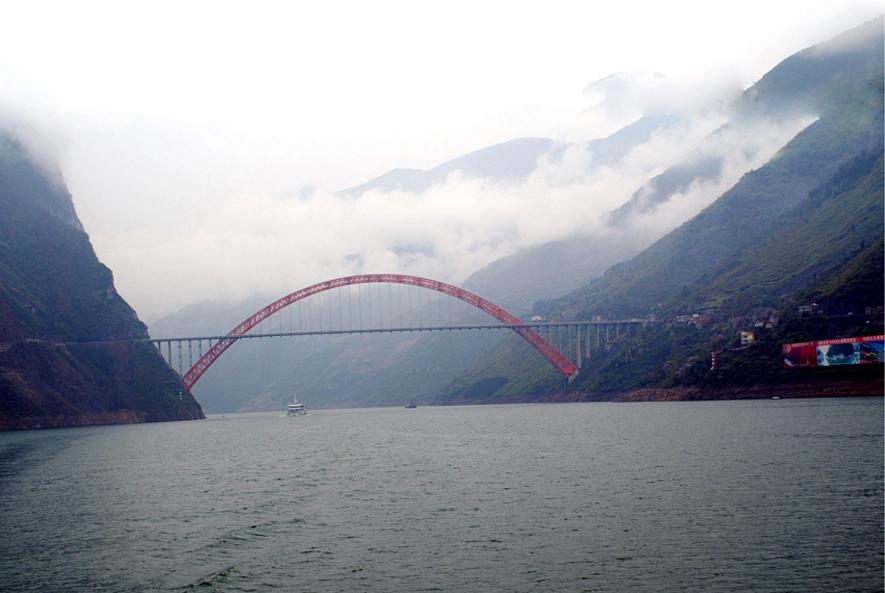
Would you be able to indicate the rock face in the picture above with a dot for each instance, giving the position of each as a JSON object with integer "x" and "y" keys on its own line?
{"x": 61, "y": 320}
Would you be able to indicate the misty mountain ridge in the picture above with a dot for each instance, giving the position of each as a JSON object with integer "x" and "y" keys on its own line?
{"x": 807, "y": 82}
{"x": 851, "y": 126}
{"x": 515, "y": 160}
{"x": 754, "y": 125}
{"x": 825, "y": 248}
{"x": 807, "y": 226}
{"x": 509, "y": 161}
{"x": 790, "y": 96}
{"x": 810, "y": 80}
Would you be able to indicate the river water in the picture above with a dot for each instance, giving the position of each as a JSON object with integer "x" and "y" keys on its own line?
{"x": 774, "y": 495}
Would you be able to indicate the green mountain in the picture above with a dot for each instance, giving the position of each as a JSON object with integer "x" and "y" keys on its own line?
{"x": 827, "y": 250}
{"x": 838, "y": 219}
{"x": 806, "y": 226}
{"x": 812, "y": 82}
{"x": 762, "y": 196}
{"x": 57, "y": 303}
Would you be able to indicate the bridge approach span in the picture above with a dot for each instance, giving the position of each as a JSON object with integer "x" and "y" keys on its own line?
{"x": 550, "y": 352}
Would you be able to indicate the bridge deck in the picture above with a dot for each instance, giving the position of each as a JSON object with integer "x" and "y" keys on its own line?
{"x": 332, "y": 332}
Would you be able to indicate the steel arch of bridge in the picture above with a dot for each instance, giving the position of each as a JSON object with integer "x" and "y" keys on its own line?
{"x": 548, "y": 350}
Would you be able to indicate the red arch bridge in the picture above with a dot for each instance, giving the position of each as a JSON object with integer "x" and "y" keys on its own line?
{"x": 389, "y": 303}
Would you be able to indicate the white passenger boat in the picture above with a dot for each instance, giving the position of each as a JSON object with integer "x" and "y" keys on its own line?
{"x": 296, "y": 408}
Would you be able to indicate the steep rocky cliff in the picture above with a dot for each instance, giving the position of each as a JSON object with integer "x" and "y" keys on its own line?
{"x": 63, "y": 358}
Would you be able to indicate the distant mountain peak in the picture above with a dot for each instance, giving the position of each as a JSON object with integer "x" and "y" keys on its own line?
{"x": 513, "y": 160}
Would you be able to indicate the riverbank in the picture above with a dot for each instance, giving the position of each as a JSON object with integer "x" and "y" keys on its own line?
{"x": 100, "y": 419}
{"x": 845, "y": 388}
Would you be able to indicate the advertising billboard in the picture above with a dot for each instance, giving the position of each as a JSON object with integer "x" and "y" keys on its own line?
{"x": 842, "y": 351}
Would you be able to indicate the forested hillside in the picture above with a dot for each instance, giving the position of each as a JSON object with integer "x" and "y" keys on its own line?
{"x": 732, "y": 222}
{"x": 827, "y": 250}
{"x": 834, "y": 81}
{"x": 805, "y": 227}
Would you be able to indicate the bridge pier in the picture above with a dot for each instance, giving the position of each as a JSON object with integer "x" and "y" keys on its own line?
{"x": 578, "y": 347}
{"x": 587, "y": 341}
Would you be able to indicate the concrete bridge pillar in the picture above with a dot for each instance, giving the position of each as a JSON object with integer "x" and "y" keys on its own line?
{"x": 578, "y": 346}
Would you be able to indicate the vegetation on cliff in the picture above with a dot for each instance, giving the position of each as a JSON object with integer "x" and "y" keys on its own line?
{"x": 828, "y": 250}
{"x": 805, "y": 228}
{"x": 836, "y": 241}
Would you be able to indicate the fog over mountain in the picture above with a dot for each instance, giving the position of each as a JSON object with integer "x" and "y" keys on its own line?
{"x": 459, "y": 217}
{"x": 566, "y": 212}
{"x": 785, "y": 101}
{"x": 607, "y": 198}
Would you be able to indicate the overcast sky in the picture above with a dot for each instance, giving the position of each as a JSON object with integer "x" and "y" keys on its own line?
{"x": 198, "y": 139}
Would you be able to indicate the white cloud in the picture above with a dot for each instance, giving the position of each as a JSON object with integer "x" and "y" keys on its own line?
{"x": 742, "y": 148}
{"x": 262, "y": 242}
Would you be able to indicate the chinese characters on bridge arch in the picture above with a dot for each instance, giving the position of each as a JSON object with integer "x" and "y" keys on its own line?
{"x": 824, "y": 353}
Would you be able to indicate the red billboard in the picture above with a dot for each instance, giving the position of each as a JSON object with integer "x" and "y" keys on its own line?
{"x": 842, "y": 351}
